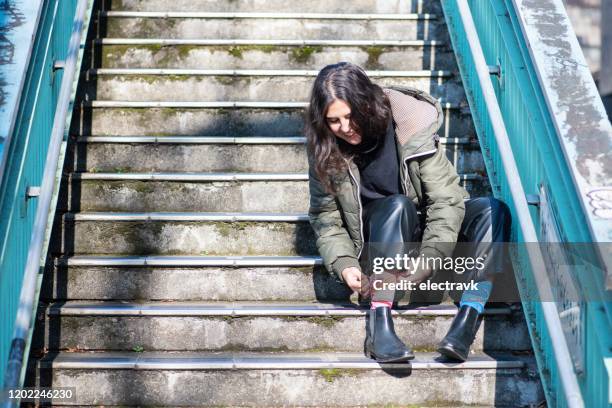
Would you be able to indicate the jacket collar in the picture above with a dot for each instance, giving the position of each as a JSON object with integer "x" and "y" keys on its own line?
{"x": 421, "y": 140}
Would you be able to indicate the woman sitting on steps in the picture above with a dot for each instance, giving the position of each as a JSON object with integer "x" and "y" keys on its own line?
{"x": 374, "y": 160}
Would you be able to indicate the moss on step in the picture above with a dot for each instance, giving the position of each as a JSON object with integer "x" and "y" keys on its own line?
{"x": 331, "y": 374}
{"x": 237, "y": 51}
{"x": 303, "y": 54}
{"x": 142, "y": 27}
{"x": 305, "y": 270}
{"x": 374, "y": 52}
{"x": 226, "y": 79}
{"x": 163, "y": 54}
{"x": 142, "y": 187}
{"x": 101, "y": 188}
{"x": 224, "y": 229}
{"x": 152, "y": 79}
{"x": 227, "y": 228}
{"x": 324, "y": 321}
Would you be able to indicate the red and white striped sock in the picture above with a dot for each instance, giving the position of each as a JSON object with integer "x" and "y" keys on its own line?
{"x": 380, "y": 303}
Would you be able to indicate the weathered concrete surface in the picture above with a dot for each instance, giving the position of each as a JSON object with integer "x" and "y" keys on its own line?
{"x": 274, "y": 29}
{"x": 123, "y": 121}
{"x": 260, "y": 333}
{"x": 281, "y": 6}
{"x": 577, "y": 111}
{"x": 244, "y": 88}
{"x": 205, "y": 283}
{"x": 189, "y": 238}
{"x": 405, "y": 58}
{"x": 106, "y": 157}
{"x": 110, "y": 157}
{"x": 137, "y": 196}
{"x": 299, "y": 387}
{"x": 256, "y": 196}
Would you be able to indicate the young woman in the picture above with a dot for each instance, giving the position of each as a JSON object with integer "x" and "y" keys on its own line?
{"x": 374, "y": 161}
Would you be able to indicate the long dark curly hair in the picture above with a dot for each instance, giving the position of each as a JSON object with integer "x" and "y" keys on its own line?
{"x": 370, "y": 112}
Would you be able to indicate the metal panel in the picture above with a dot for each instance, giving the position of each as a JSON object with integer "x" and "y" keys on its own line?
{"x": 26, "y": 156}
{"x": 537, "y": 146}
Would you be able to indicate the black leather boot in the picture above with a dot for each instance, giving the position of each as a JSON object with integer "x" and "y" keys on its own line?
{"x": 456, "y": 344}
{"x": 382, "y": 344}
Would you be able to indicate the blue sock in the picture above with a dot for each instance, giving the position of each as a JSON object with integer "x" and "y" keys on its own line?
{"x": 477, "y": 298}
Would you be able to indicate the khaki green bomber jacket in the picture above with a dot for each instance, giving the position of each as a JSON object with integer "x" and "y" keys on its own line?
{"x": 428, "y": 179}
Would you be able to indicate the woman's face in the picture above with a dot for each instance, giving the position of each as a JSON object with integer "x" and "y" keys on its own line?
{"x": 339, "y": 121}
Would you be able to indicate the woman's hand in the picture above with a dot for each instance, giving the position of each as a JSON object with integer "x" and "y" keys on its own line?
{"x": 352, "y": 277}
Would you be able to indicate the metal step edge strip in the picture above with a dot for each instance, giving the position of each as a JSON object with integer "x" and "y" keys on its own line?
{"x": 194, "y": 139}
{"x": 217, "y": 176}
{"x": 221, "y": 42}
{"x": 215, "y": 104}
{"x": 191, "y": 261}
{"x": 228, "y": 140}
{"x": 262, "y": 15}
{"x": 188, "y": 216}
{"x": 236, "y": 310}
{"x": 193, "y": 176}
{"x": 235, "y": 361}
{"x": 259, "y": 72}
{"x": 181, "y": 216}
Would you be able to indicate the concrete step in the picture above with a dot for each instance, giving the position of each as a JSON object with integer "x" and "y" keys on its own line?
{"x": 280, "y": 6}
{"x": 254, "y": 85}
{"x": 249, "y": 278}
{"x": 273, "y": 54}
{"x": 187, "y": 234}
{"x": 235, "y": 119}
{"x": 205, "y": 154}
{"x": 290, "y": 379}
{"x": 256, "y": 326}
{"x": 228, "y": 192}
{"x": 272, "y": 25}
{"x": 137, "y": 192}
{"x": 215, "y": 278}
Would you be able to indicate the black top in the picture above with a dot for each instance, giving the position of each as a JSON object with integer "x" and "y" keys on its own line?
{"x": 379, "y": 169}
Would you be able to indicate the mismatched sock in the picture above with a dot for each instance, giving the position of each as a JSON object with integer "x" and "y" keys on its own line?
{"x": 381, "y": 303}
{"x": 477, "y": 298}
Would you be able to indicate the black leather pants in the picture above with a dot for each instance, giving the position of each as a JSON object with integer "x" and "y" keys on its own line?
{"x": 394, "y": 219}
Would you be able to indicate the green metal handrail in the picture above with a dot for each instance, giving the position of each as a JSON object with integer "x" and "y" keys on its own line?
{"x": 28, "y": 191}
{"x": 528, "y": 89}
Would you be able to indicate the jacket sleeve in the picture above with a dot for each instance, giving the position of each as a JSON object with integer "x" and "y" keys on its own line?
{"x": 335, "y": 246}
{"x": 443, "y": 201}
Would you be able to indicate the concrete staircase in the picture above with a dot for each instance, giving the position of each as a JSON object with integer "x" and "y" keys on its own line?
{"x": 184, "y": 268}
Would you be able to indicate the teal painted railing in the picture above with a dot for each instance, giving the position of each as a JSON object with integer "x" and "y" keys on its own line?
{"x": 561, "y": 140}
{"x": 30, "y": 169}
